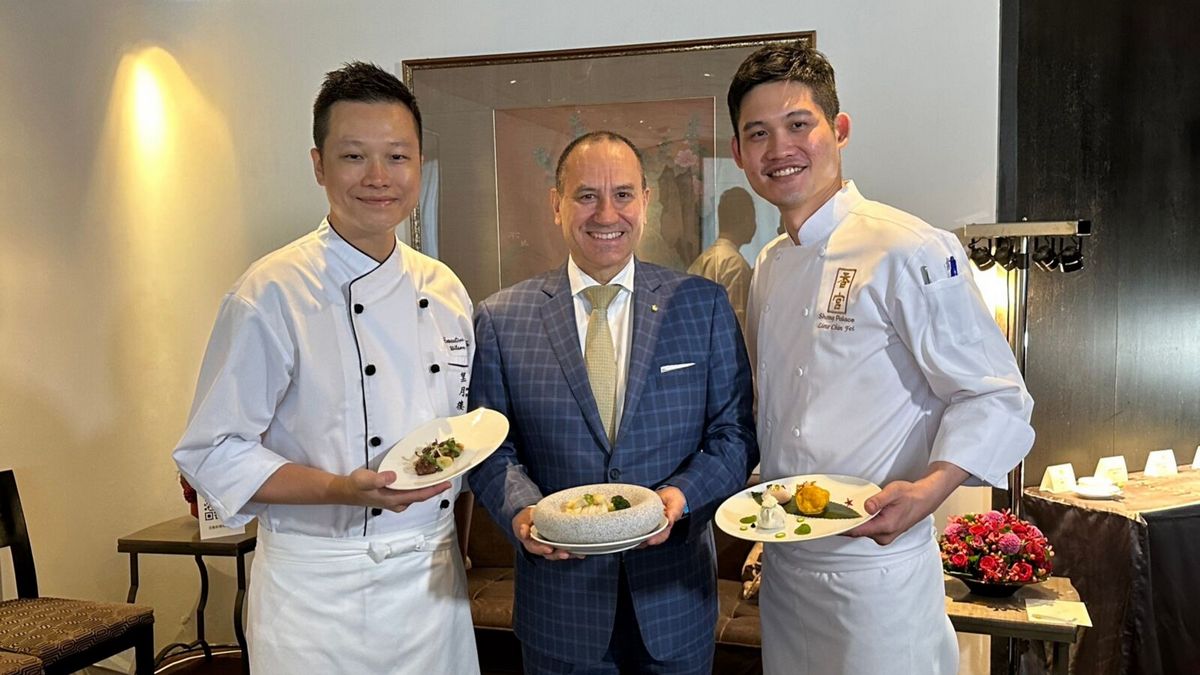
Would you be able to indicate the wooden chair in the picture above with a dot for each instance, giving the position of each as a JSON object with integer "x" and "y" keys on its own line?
{"x": 65, "y": 635}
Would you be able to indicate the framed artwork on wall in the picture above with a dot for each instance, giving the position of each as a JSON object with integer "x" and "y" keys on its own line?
{"x": 495, "y": 125}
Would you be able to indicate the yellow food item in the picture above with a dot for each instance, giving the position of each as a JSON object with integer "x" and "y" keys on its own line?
{"x": 811, "y": 499}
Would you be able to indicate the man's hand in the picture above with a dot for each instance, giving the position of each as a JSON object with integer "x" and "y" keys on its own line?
{"x": 901, "y": 504}
{"x": 364, "y": 487}
{"x": 673, "y": 505}
{"x": 521, "y": 524}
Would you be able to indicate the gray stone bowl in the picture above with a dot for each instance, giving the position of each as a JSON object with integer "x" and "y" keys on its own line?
{"x": 643, "y": 515}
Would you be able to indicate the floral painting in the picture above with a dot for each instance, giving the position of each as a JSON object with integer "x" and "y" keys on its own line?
{"x": 675, "y": 138}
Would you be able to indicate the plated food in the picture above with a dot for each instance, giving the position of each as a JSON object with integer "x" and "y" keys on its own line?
{"x": 437, "y": 456}
{"x": 443, "y": 448}
{"x": 796, "y": 508}
{"x": 598, "y": 514}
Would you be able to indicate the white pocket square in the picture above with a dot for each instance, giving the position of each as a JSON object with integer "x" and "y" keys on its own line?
{"x": 675, "y": 366}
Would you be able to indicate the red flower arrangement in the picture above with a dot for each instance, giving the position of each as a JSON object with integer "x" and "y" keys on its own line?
{"x": 995, "y": 547}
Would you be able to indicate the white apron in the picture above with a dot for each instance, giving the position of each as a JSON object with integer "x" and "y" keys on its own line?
{"x": 853, "y": 622}
{"x": 384, "y": 604}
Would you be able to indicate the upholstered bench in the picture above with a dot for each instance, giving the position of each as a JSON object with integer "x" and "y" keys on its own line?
{"x": 490, "y": 583}
{"x": 56, "y": 632}
{"x": 19, "y": 664}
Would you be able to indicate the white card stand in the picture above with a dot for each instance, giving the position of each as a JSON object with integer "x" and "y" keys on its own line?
{"x": 1196, "y": 460}
{"x": 1161, "y": 463}
{"x": 1058, "y": 478}
{"x": 211, "y": 526}
{"x": 1113, "y": 468}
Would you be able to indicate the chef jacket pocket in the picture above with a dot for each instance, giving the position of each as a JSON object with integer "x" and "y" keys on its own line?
{"x": 952, "y": 311}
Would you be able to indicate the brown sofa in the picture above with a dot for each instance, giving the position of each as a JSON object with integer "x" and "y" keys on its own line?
{"x": 490, "y": 582}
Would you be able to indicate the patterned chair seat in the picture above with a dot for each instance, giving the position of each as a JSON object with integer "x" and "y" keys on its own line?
{"x": 19, "y": 664}
{"x": 55, "y": 629}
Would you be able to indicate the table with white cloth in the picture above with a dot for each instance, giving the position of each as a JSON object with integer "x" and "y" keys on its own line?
{"x": 1134, "y": 561}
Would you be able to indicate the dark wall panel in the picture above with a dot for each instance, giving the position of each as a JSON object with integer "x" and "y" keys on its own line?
{"x": 1106, "y": 126}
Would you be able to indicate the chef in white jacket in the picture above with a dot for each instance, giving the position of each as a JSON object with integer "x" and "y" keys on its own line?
{"x": 874, "y": 356}
{"x": 326, "y": 353}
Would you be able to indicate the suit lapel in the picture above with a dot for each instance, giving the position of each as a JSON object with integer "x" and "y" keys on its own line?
{"x": 558, "y": 320}
{"x": 647, "y": 315}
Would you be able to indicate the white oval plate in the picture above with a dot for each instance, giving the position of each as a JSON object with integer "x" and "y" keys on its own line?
{"x": 599, "y": 549}
{"x": 480, "y": 432}
{"x": 841, "y": 488}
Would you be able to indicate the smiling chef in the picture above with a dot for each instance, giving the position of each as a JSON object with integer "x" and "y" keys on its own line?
{"x": 325, "y": 354}
{"x": 874, "y": 356}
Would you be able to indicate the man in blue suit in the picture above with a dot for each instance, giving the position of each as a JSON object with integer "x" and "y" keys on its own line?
{"x": 676, "y": 418}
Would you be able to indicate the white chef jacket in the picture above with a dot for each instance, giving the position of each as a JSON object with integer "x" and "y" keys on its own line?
{"x": 862, "y": 368}
{"x": 325, "y": 357}
{"x": 619, "y": 321}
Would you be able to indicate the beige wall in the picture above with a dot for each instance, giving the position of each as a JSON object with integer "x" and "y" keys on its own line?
{"x": 118, "y": 241}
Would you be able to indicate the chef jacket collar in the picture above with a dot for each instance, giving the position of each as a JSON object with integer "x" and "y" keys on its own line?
{"x": 580, "y": 280}
{"x": 821, "y": 224}
{"x": 354, "y": 262}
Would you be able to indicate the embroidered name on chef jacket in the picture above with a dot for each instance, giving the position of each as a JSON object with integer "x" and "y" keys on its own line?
{"x": 458, "y": 347}
{"x": 835, "y": 318}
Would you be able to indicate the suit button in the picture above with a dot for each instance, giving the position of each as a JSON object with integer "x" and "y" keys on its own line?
{"x": 358, "y": 309}
{"x": 370, "y": 369}
{"x": 423, "y": 303}
{"x": 435, "y": 368}
{"x": 445, "y": 504}
{"x": 614, "y": 474}
{"x": 376, "y": 441}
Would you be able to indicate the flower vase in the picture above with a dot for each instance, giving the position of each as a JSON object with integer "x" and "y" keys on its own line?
{"x": 989, "y": 589}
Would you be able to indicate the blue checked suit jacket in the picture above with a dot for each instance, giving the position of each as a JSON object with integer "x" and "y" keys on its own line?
{"x": 691, "y": 428}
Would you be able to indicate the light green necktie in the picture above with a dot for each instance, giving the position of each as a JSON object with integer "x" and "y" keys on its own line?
{"x": 600, "y": 356}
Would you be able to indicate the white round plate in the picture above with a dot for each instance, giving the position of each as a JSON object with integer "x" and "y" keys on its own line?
{"x": 1098, "y": 491}
{"x": 841, "y": 488}
{"x": 480, "y": 432}
{"x": 600, "y": 549}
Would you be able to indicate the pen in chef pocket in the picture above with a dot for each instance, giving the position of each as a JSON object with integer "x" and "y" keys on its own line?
{"x": 952, "y": 265}
{"x": 925, "y": 274}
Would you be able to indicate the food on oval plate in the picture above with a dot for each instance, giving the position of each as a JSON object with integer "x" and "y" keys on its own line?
{"x": 437, "y": 456}
{"x": 772, "y": 515}
{"x": 811, "y": 499}
{"x": 598, "y": 514}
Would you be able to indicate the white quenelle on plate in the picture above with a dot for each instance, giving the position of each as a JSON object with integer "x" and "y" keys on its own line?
{"x": 598, "y": 527}
{"x": 480, "y": 432}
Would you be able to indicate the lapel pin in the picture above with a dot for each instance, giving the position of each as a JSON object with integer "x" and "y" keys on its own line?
{"x": 653, "y": 308}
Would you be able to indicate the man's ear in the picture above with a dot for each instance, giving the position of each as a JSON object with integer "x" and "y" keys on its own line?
{"x": 736, "y": 149}
{"x": 841, "y": 127}
{"x": 554, "y": 204}
{"x": 318, "y": 170}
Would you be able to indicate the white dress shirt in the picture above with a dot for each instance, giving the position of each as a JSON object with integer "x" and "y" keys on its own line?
{"x": 618, "y": 321}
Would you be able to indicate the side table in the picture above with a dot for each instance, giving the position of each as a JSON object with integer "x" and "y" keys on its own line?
{"x": 1006, "y": 617}
{"x": 181, "y": 536}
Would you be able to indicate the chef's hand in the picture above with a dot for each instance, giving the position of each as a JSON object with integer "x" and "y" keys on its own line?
{"x": 901, "y": 504}
{"x": 673, "y": 505}
{"x": 365, "y": 487}
{"x": 521, "y": 524}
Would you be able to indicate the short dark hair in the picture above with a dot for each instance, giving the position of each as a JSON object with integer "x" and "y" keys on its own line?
{"x": 362, "y": 82}
{"x": 596, "y": 136}
{"x": 789, "y": 61}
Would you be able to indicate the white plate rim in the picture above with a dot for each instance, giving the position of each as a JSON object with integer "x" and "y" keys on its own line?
{"x": 1104, "y": 493}
{"x": 431, "y": 430}
{"x": 725, "y": 519}
{"x": 603, "y": 547}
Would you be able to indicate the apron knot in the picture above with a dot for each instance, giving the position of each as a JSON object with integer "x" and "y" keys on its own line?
{"x": 380, "y": 550}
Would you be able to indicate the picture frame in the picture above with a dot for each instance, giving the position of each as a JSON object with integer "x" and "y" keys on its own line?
{"x": 494, "y": 125}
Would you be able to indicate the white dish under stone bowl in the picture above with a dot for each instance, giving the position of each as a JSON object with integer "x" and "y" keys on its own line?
{"x": 645, "y": 512}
